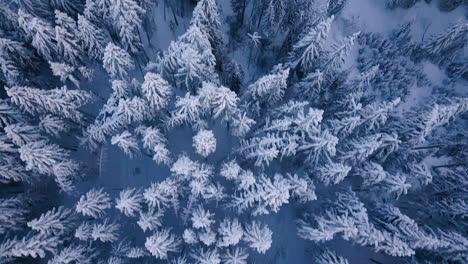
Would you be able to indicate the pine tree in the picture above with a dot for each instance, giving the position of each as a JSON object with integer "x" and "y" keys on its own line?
{"x": 444, "y": 46}
{"x": 14, "y": 212}
{"x": 132, "y": 109}
{"x": 235, "y": 256}
{"x": 127, "y": 142}
{"x": 150, "y": 220}
{"x": 333, "y": 173}
{"x": 163, "y": 194}
{"x": 105, "y": 231}
{"x": 201, "y": 218}
{"x": 156, "y": 91}
{"x": 258, "y": 237}
{"x": 189, "y": 60}
{"x": 66, "y": 32}
{"x": 337, "y": 57}
{"x": 319, "y": 146}
{"x": 126, "y": 17}
{"x": 129, "y": 202}
{"x": 31, "y": 245}
{"x": 116, "y": 61}
{"x": 65, "y": 72}
{"x": 71, "y": 7}
{"x": 40, "y": 32}
{"x": 204, "y": 142}
{"x": 59, "y": 101}
{"x": 21, "y": 133}
{"x": 269, "y": 88}
{"x": 231, "y": 232}
{"x": 206, "y": 17}
{"x": 41, "y": 156}
{"x": 330, "y": 257}
{"x": 93, "y": 203}
{"x": 225, "y": 103}
{"x": 310, "y": 46}
{"x": 91, "y": 37}
{"x": 210, "y": 256}
{"x": 73, "y": 252}
{"x": 83, "y": 231}
{"x": 161, "y": 243}
{"x": 57, "y": 221}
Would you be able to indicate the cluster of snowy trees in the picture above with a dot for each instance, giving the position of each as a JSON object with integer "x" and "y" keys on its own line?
{"x": 327, "y": 126}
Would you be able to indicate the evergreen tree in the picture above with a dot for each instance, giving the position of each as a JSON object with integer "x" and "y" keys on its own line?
{"x": 156, "y": 91}
{"x": 258, "y": 237}
{"x": 126, "y": 17}
{"x": 310, "y": 46}
{"x": 337, "y": 57}
{"x": 444, "y": 46}
{"x": 206, "y": 18}
{"x": 59, "y": 101}
{"x": 93, "y": 203}
{"x": 91, "y": 37}
{"x": 116, "y": 61}
{"x": 66, "y": 32}
{"x": 161, "y": 243}
{"x": 41, "y": 34}
{"x": 56, "y": 221}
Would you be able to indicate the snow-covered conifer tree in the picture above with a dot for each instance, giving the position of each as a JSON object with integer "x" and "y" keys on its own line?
{"x": 127, "y": 142}
{"x": 83, "y": 231}
{"x": 14, "y": 211}
{"x": 156, "y": 91}
{"x": 91, "y": 37}
{"x": 66, "y": 36}
{"x": 230, "y": 170}
{"x": 161, "y": 243}
{"x": 64, "y": 72}
{"x": 116, "y": 61}
{"x": 210, "y": 256}
{"x": 446, "y": 45}
{"x": 21, "y": 133}
{"x": 231, "y": 232}
{"x": 330, "y": 257}
{"x": 126, "y": 17}
{"x": 321, "y": 145}
{"x": 106, "y": 231}
{"x": 206, "y": 17}
{"x": 269, "y": 88}
{"x": 57, "y": 221}
{"x": 129, "y": 202}
{"x": 73, "y": 252}
{"x": 309, "y": 47}
{"x": 338, "y": 56}
{"x": 333, "y": 173}
{"x": 236, "y": 255}
{"x": 188, "y": 109}
{"x": 163, "y": 194}
{"x": 189, "y": 236}
{"x": 258, "y": 237}
{"x": 225, "y": 103}
{"x": 204, "y": 142}
{"x": 201, "y": 218}
{"x": 40, "y": 32}
{"x": 59, "y": 101}
{"x": 41, "y": 156}
{"x": 93, "y": 203}
{"x": 32, "y": 245}
{"x": 132, "y": 109}
{"x": 150, "y": 220}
